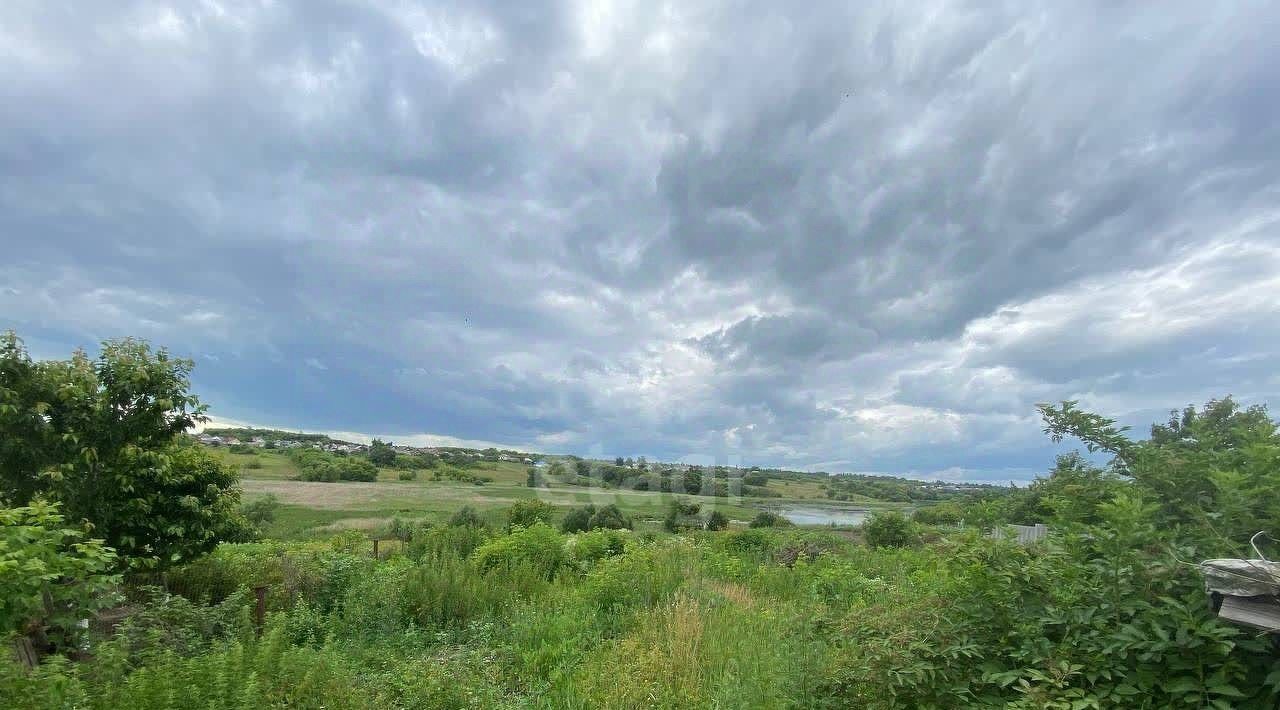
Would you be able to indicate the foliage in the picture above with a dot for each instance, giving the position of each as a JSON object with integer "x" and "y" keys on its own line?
{"x": 890, "y": 529}
{"x": 447, "y": 541}
{"x": 381, "y": 453}
{"x": 586, "y": 549}
{"x": 717, "y": 521}
{"x": 50, "y": 575}
{"x": 101, "y": 437}
{"x": 769, "y": 519}
{"x": 466, "y": 516}
{"x": 261, "y": 512}
{"x": 317, "y": 465}
{"x": 538, "y": 546}
{"x": 610, "y": 517}
{"x": 1101, "y": 614}
{"x": 578, "y": 519}
{"x": 682, "y": 515}
{"x": 525, "y": 513}
{"x": 407, "y": 475}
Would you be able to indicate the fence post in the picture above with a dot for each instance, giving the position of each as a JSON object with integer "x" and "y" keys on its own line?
{"x": 260, "y": 611}
{"x": 375, "y": 548}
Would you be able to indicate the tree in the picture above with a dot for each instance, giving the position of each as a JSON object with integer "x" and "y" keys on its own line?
{"x": 101, "y": 437}
{"x": 619, "y": 461}
{"x": 1212, "y": 472}
{"x": 890, "y": 529}
{"x": 582, "y": 468}
{"x": 381, "y": 453}
{"x": 532, "y": 478}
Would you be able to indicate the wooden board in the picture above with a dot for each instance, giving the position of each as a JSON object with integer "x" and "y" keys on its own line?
{"x": 1258, "y": 612}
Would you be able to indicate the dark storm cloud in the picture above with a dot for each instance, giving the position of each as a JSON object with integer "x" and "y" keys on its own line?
{"x": 862, "y": 233}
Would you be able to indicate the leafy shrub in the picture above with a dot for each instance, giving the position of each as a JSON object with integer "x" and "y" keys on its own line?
{"x": 586, "y": 549}
{"x": 357, "y": 469}
{"x": 261, "y": 512}
{"x": 452, "y": 541}
{"x": 50, "y": 576}
{"x": 941, "y": 514}
{"x": 466, "y": 516}
{"x": 254, "y": 464}
{"x": 317, "y": 572}
{"x": 890, "y": 529}
{"x": 682, "y": 516}
{"x": 717, "y": 521}
{"x": 753, "y": 541}
{"x": 407, "y": 475}
{"x": 609, "y": 517}
{"x": 162, "y": 622}
{"x": 526, "y": 513}
{"x": 769, "y": 519}
{"x": 538, "y": 546}
{"x": 643, "y": 577}
{"x": 578, "y": 519}
{"x": 451, "y": 591}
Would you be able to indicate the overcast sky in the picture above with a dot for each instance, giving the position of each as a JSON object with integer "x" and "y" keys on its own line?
{"x": 862, "y": 236}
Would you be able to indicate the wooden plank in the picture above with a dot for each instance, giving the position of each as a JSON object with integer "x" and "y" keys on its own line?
{"x": 1258, "y": 612}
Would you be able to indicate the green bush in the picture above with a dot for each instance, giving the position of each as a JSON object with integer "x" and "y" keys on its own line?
{"x": 261, "y": 512}
{"x": 682, "y": 516}
{"x": 451, "y": 592}
{"x": 644, "y": 577}
{"x": 890, "y": 529}
{"x": 466, "y": 516}
{"x": 538, "y": 546}
{"x": 407, "y": 475}
{"x": 717, "y": 521}
{"x": 526, "y": 513}
{"x": 452, "y": 541}
{"x": 609, "y": 517}
{"x": 357, "y": 469}
{"x": 51, "y": 577}
{"x": 586, "y": 549}
{"x": 578, "y": 519}
{"x": 769, "y": 519}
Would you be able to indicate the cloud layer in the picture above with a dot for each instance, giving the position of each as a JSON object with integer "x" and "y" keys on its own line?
{"x": 859, "y": 236}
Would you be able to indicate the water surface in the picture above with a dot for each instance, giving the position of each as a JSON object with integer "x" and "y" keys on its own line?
{"x": 821, "y": 515}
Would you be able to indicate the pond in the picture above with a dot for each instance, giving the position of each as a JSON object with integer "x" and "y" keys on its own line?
{"x": 821, "y": 515}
